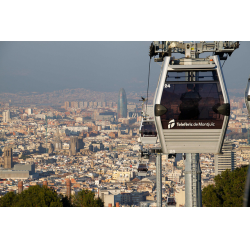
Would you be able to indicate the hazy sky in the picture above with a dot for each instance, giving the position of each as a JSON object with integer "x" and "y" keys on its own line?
{"x": 101, "y": 66}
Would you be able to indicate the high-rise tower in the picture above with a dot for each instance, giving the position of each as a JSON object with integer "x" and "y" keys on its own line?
{"x": 76, "y": 143}
{"x": 227, "y": 160}
{"x": 122, "y": 104}
{"x": 8, "y": 162}
{"x": 6, "y": 116}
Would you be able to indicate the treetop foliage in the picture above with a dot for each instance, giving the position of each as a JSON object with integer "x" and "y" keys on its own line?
{"x": 86, "y": 198}
{"x": 228, "y": 190}
{"x": 37, "y": 196}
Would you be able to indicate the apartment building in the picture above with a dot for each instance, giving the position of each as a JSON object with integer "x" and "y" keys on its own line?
{"x": 227, "y": 160}
{"x": 123, "y": 176}
{"x": 6, "y": 116}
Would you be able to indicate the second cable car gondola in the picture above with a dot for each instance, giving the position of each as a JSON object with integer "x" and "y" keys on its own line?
{"x": 171, "y": 201}
{"x": 247, "y": 96}
{"x": 191, "y": 106}
{"x": 148, "y": 134}
{"x": 142, "y": 169}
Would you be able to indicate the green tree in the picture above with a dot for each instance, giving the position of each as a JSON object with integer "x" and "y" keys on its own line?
{"x": 66, "y": 201}
{"x": 34, "y": 196}
{"x": 86, "y": 198}
{"x": 228, "y": 190}
{"x": 210, "y": 197}
{"x": 8, "y": 199}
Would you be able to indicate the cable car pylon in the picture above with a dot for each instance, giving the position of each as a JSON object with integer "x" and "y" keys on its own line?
{"x": 246, "y": 198}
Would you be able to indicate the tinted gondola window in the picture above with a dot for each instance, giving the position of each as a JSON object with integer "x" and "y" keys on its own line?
{"x": 186, "y": 76}
{"x": 142, "y": 167}
{"x": 148, "y": 129}
{"x": 191, "y": 101}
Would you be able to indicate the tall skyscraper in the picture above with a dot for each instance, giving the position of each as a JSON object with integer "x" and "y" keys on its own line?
{"x": 80, "y": 105}
{"x": 58, "y": 142}
{"x": 66, "y": 104}
{"x": 122, "y": 104}
{"x": 8, "y": 162}
{"x": 76, "y": 143}
{"x": 29, "y": 111}
{"x": 85, "y": 104}
{"x": 73, "y": 145}
{"x": 74, "y": 105}
{"x": 227, "y": 160}
{"x": 6, "y": 116}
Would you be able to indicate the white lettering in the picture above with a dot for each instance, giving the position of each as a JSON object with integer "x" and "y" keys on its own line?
{"x": 195, "y": 124}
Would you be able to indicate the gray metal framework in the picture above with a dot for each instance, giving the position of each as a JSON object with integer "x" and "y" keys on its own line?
{"x": 192, "y": 181}
{"x": 246, "y": 198}
{"x": 158, "y": 180}
{"x": 192, "y": 49}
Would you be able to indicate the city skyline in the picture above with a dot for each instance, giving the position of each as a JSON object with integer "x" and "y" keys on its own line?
{"x": 82, "y": 95}
{"x": 107, "y": 145}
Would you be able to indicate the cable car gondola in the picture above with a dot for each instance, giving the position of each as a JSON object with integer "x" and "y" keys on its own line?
{"x": 191, "y": 105}
{"x": 171, "y": 201}
{"x": 247, "y": 96}
{"x": 148, "y": 134}
{"x": 142, "y": 169}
